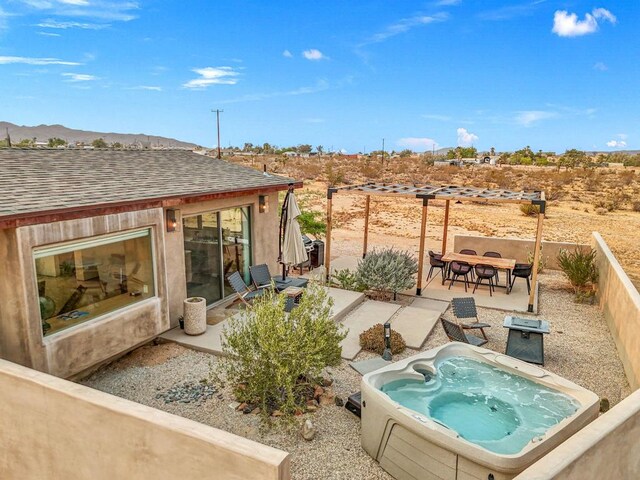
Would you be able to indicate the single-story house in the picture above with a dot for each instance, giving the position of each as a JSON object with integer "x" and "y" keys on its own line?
{"x": 99, "y": 248}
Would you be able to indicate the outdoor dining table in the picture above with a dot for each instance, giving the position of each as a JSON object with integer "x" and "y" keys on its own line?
{"x": 506, "y": 264}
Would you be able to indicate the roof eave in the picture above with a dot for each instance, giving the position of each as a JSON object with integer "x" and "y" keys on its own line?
{"x": 73, "y": 213}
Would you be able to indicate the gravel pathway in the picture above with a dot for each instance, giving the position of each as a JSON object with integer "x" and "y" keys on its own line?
{"x": 579, "y": 348}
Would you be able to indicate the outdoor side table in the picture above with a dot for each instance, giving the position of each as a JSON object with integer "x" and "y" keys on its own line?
{"x": 294, "y": 295}
{"x": 526, "y": 338}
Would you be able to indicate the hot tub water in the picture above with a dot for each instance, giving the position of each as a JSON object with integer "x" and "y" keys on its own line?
{"x": 486, "y": 405}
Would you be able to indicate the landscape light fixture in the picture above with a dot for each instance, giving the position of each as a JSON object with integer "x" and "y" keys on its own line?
{"x": 172, "y": 223}
{"x": 263, "y": 203}
{"x": 386, "y": 354}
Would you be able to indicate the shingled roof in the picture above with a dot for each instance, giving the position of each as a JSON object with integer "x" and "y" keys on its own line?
{"x": 43, "y": 183}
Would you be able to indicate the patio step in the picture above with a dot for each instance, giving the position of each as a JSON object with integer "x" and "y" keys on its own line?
{"x": 344, "y": 302}
{"x": 362, "y": 318}
{"x": 415, "y": 325}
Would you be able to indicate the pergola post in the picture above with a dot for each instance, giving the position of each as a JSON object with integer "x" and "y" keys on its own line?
{"x": 446, "y": 227}
{"x": 536, "y": 257}
{"x": 423, "y": 228}
{"x": 327, "y": 247}
{"x": 366, "y": 226}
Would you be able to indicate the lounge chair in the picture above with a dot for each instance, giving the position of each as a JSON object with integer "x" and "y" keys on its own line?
{"x": 455, "y": 333}
{"x": 466, "y": 308}
{"x": 241, "y": 289}
{"x": 261, "y": 277}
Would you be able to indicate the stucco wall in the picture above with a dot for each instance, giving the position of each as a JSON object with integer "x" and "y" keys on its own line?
{"x": 513, "y": 247}
{"x": 54, "y": 429}
{"x": 607, "y": 448}
{"x": 264, "y": 237}
{"x": 85, "y": 345}
{"x": 620, "y": 303}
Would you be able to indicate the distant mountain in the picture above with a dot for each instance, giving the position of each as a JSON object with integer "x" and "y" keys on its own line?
{"x": 42, "y": 133}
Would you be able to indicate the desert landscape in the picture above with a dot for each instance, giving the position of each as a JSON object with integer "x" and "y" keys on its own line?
{"x": 580, "y": 201}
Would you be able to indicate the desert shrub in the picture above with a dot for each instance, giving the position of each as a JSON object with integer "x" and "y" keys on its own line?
{"x": 529, "y": 210}
{"x": 387, "y": 270}
{"x": 372, "y": 340}
{"x": 635, "y": 206}
{"x": 601, "y": 211}
{"x": 580, "y": 268}
{"x": 347, "y": 280}
{"x": 272, "y": 358}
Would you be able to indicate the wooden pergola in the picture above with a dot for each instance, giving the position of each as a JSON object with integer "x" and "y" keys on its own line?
{"x": 432, "y": 192}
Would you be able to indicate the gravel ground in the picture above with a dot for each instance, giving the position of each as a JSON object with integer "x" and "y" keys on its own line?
{"x": 579, "y": 348}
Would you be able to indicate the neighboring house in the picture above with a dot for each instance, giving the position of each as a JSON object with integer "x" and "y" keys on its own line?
{"x": 99, "y": 248}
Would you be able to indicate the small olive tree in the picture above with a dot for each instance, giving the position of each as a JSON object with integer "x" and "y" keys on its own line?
{"x": 274, "y": 358}
{"x": 387, "y": 270}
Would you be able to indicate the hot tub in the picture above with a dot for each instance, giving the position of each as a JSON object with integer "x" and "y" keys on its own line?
{"x": 460, "y": 411}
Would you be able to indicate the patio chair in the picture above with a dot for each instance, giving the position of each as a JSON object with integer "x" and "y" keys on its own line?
{"x": 261, "y": 277}
{"x": 493, "y": 255}
{"x": 460, "y": 269}
{"x": 435, "y": 260}
{"x": 464, "y": 308}
{"x": 241, "y": 289}
{"x": 468, "y": 251}
{"x": 484, "y": 272}
{"x": 522, "y": 270}
{"x": 455, "y": 333}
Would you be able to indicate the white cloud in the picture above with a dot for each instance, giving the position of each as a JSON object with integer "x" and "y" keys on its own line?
{"x": 287, "y": 54}
{"x": 529, "y": 117}
{"x": 147, "y": 87}
{"x": 75, "y": 2}
{"x": 441, "y": 118}
{"x": 212, "y": 76}
{"x": 65, "y": 25}
{"x": 567, "y": 24}
{"x": 466, "y": 138}
{"x": 116, "y": 10}
{"x": 404, "y": 25}
{"x": 600, "y": 66}
{"x": 313, "y": 54}
{"x": 79, "y": 77}
{"x": 418, "y": 143}
{"x": 35, "y": 61}
{"x": 616, "y": 144}
{"x": 49, "y": 34}
{"x": 448, "y": 3}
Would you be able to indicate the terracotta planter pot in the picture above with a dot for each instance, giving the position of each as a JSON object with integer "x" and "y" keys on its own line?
{"x": 195, "y": 316}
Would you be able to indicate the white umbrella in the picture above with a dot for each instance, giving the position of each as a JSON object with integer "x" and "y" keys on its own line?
{"x": 293, "y": 250}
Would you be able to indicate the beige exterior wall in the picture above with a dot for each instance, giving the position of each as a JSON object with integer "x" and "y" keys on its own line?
{"x": 513, "y": 247}
{"x": 88, "y": 344}
{"x": 264, "y": 236}
{"x": 606, "y": 448}
{"x": 54, "y": 429}
{"x": 620, "y": 303}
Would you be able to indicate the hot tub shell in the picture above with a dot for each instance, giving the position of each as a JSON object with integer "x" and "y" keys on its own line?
{"x": 410, "y": 445}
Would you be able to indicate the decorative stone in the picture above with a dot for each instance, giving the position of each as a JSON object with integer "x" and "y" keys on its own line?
{"x": 339, "y": 402}
{"x": 277, "y": 413}
{"x": 195, "y": 316}
{"x": 326, "y": 399}
{"x": 241, "y": 407}
{"x": 318, "y": 391}
{"x": 256, "y": 411}
{"x": 311, "y": 408}
{"x": 327, "y": 382}
{"x": 308, "y": 430}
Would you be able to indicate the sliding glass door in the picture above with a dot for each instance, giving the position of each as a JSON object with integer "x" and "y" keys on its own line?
{"x": 215, "y": 245}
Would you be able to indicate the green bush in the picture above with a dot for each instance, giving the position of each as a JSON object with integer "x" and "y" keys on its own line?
{"x": 580, "y": 268}
{"x": 310, "y": 223}
{"x": 347, "y": 280}
{"x": 273, "y": 358}
{"x": 387, "y": 270}
{"x": 372, "y": 340}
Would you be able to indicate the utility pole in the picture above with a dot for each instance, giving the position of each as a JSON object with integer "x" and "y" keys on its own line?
{"x": 218, "y": 125}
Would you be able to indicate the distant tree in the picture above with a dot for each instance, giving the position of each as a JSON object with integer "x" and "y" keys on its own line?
{"x": 267, "y": 148}
{"x": 573, "y": 158}
{"x": 25, "y": 143}
{"x": 405, "y": 153}
{"x": 117, "y": 145}
{"x": 304, "y": 148}
{"x": 320, "y": 149}
{"x": 56, "y": 142}
{"x": 99, "y": 143}
{"x": 462, "y": 152}
{"x": 248, "y": 147}
{"x": 493, "y": 151}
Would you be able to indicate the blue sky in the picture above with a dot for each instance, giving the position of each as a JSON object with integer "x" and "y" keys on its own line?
{"x": 549, "y": 74}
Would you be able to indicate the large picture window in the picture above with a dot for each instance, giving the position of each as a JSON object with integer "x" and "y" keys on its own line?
{"x": 82, "y": 280}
